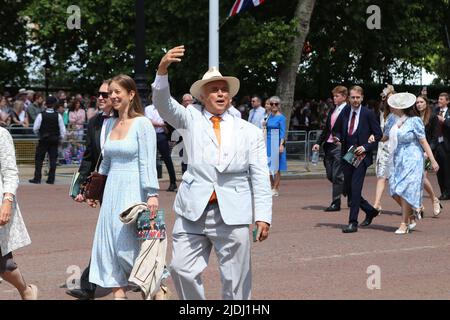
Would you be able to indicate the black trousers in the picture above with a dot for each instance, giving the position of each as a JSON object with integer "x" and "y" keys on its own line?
{"x": 84, "y": 280}
{"x": 353, "y": 185}
{"x": 443, "y": 175}
{"x": 333, "y": 167}
{"x": 49, "y": 146}
{"x": 183, "y": 167}
{"x": 163, "y": 147}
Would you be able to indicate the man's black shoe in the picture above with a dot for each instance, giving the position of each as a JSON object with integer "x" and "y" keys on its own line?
{"x": 444, "y": 196}
{"x": 50, "y": 182}
{"x": 172, "y": 187}
{"x": 369, "y": 218}
{"x": 34, "y": 181}
{"x": 334, "y": 206}
{"x": 81, "y": 294}
{"x": 350, "y": 228}
{"x": 376, "y": 213}
{"x": 366, "y": 222}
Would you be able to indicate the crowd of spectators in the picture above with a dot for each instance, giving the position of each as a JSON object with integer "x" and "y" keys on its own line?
{"x": 311, "y": 114}
{"x": 18, "y": 113}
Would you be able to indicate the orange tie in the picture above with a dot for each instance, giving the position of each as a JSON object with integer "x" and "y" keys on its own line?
{"x": 216, "y": 125}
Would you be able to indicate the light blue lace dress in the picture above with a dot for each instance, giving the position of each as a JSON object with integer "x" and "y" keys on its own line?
{"x": 406, "y": 179}
{"x": 130, "y": 164}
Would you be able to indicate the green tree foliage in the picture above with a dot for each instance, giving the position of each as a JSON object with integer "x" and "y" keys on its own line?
{"x": 253, "y": 45}
{"x": 344, "y": 50}
{"x": 13, "y": 43}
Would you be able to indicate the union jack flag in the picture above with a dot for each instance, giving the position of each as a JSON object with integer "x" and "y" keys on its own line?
{"x": 241, "y": 5}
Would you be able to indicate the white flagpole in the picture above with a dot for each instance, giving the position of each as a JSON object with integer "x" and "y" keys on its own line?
{"x": 214, "y": 34}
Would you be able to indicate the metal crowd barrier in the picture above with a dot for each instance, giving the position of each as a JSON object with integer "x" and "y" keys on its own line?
{"x": 299, "y": 144}
{"x": 298, "y": 147}
{"x": 70, "y": 151}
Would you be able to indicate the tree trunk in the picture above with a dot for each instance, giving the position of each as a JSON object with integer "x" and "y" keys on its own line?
{"x": 288, "y": 72}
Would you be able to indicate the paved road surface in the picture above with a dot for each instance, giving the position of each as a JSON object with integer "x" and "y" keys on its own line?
{"x": 306, "y": 256}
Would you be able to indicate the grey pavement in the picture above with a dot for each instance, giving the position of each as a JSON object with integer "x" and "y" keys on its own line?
{"x": 306, "y": 256}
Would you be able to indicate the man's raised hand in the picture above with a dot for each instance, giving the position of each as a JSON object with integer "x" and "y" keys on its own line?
{"x": 173, "y": 55}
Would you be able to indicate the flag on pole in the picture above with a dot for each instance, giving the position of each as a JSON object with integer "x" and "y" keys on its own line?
{"x": 242, "y": 5}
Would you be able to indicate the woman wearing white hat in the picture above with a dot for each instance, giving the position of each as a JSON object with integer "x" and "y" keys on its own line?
{"x": 407, "y": 142}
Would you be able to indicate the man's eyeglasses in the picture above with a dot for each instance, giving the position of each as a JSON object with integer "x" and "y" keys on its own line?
{"x": 274, "y": 104}
{"x": 104, "y": 95}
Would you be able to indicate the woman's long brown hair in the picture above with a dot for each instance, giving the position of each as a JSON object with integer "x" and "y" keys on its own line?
{"x": 427, "y": 112}
{"x": 136, "y": 109}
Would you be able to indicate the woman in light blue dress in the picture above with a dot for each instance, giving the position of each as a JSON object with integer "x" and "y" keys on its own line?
{"x": 407, "y": 142}
{"x": 130, "y": 163}
{"x": 276, "y": 132}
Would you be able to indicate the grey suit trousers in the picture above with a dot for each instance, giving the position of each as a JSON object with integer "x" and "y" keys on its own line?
{"x": 192, "y": 244}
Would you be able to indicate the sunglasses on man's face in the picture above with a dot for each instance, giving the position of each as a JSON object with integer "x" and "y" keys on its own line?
{"x": 274, "y": 103}
{"x": 104, "y": 95}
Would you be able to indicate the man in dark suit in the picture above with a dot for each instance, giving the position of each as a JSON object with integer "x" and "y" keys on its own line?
{"x": 332, "y": 151}
{"x": 353, "y": 127}
{"x": 95, "y": 138}
{"x": 442, "y": 151}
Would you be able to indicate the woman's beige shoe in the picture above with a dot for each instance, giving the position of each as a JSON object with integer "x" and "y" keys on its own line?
{"x": 402, "y": 230}
{"x": 437, "y": 206}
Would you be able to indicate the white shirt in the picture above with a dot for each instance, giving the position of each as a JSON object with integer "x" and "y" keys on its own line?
{"x": 103, "y": 132}
{"x": 21, "y": 116}
{"x": 226, "y": 131}
{"x": 441, "y": 138}
{"x": 256, "y": 116}
{"x": 153, "y": 115}
{"x": 226, "y": 125}
{"x": 235, "y": 112}
{"x": 340, "y": 107}
{"x": 358, "y": 111}
{"x": 38, "y": 122}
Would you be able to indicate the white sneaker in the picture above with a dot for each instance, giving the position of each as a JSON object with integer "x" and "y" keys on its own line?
{"x": 274, "y": 193}
{"x": 412, "y": 226}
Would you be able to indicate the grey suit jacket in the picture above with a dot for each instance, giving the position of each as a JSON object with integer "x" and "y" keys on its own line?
{"x": 240, "y": 177}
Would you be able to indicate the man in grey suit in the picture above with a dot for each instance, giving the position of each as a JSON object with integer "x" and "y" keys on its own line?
{"x": 225, "y": 188}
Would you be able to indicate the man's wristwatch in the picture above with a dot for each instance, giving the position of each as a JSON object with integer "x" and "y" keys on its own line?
{"x": 9, "y": 198}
